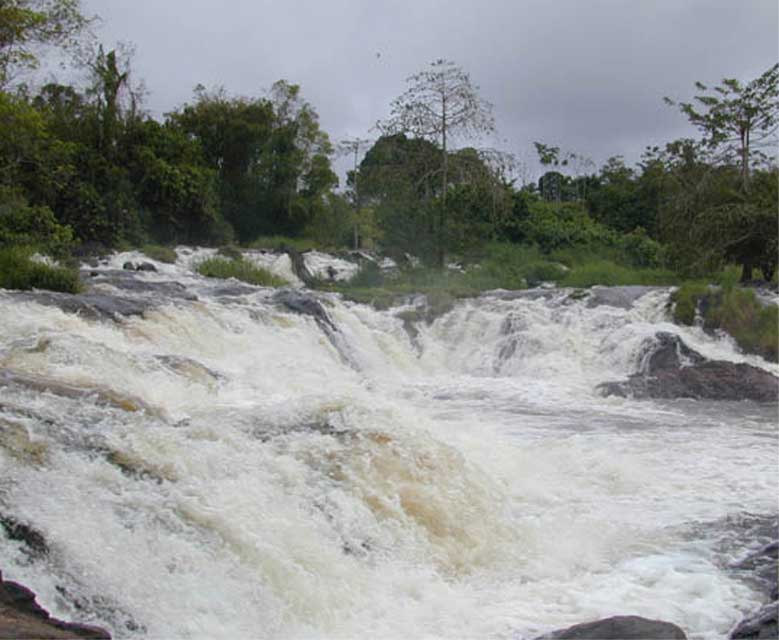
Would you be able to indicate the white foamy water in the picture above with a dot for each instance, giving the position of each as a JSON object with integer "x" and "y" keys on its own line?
{"x": 225, "y": 468}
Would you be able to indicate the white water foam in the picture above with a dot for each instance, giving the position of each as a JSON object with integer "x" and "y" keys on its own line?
{"x": 283, "y": 482}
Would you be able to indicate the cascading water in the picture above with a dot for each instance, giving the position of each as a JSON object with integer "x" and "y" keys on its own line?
{"x": 225, "y": 467}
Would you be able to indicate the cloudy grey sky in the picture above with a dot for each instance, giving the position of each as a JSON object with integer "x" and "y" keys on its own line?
{"x": 588, "y": 75}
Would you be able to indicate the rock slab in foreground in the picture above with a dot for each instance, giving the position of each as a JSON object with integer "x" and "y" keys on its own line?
{"x": 22, "y": 618}
{"x": 619, "y": 628}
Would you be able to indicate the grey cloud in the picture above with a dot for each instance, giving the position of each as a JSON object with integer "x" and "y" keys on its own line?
{"x": 587, "y": 74}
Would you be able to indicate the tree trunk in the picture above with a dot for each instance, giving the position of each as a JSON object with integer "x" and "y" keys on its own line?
{"x": 746, "y": 270}
{"x": 445, "y": 181}
{"x": 745, "y": 159}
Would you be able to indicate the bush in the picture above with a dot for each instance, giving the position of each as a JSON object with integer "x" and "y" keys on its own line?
{"x": 242, "y": 269}
{"x": 230, "y": 251}
{"x": 369, "y": 275}
{"x": 160, "y": 253}
{"x": 754, "y": 326}
{"x": 24, "y": 225}
{"x": 19, "y": 271}
{"x": 608, "y": 273}
{"x": 685, "y": 300}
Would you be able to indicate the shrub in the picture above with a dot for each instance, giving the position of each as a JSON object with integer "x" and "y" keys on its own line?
{"x": 160, "y": 253}
{"x": 230, "y": 251}
{"x": 18, "y": 271}
{"x": 685, "y": 300}
{"x": 369, "y": 275}
{"x": 24, "y": 225}
{"x": 242, "y": 269}
{"x": 605, "y": 272}
{"x": 754, "y": 326}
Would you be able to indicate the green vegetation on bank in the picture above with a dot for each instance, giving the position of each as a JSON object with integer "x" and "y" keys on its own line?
{"x": 159, "y": 253}
{"x": 754, "y": 326}
{"x": 84, "y": 168}
{"x": 240, "y": 269}
{"x": 18, "y": 270}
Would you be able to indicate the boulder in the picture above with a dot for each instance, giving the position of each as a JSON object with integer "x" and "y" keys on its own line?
{"x": 761, "y": 568}
{"x": 129, "y": 266}
{"x": 21, "y": 617}
{"x": 94, "y": 306}
{"x": 305, "y": 304}
{"x": 760, "y": 624}
{"x": 670, "y": 369}
{"x": 620, "y": 297}
{"x": 146, "y": 266}
{"x": 619, "y": 628}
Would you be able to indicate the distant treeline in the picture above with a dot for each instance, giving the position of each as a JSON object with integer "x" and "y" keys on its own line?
{"x": 85, "y": 166}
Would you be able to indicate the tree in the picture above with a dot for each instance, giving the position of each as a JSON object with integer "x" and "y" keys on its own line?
{"x": 737, "y": 119}
{"x": 352, "y": 146}
{"x": 440, "y": 103}
{"x": 27, "y": 24}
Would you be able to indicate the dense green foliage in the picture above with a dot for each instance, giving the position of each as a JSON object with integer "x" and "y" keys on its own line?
{"x": 240, "y": 269}
{"x": 83, "y": 168}
{"x": 159, "y": 253}
{"x": 753, "y": 325}
{"x": 19, "y": 271}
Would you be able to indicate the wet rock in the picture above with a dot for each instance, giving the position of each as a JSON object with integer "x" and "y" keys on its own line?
{"x": 620, "y": 297}
{"x": 667, "y": 352}
{"x": 760, "y": 624}
{"x": 762, "y": 569}
{"x": 619, "y": 628}
{"x": 100, "y": 395}
{"x": 670, "y": 369}
{"x": 128, "y": 266}
{"x": 129, "y": 281}
{"x": 299, "y": 267}
{"x": 34, "y": 542}
{"x": 21, "y": 617}
{"x": 711, "y": 380}
{"x": 146, "y": 266}
{"x": 304, "y": 303}
{"x": 94, "y": 306}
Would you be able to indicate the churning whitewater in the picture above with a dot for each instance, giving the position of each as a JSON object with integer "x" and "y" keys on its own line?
{"x": 222, "y": 465}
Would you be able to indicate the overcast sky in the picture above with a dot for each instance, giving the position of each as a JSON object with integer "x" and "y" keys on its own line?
{"x": 588, "y": 75}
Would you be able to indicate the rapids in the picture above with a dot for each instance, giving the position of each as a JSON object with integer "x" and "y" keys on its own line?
{"x": 227, "y": 468}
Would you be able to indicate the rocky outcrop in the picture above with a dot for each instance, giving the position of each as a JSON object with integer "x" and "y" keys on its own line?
{"x": 304, "y": 303}
{"x": 762, "y": 571}
{"x": 761, "y": 624}
{"x": 299, "y": 267}
{"x": 22, "y": 618}
{"x": 142, "y": 266}
{"x": 94, "y": 306}
{"x": 619, "y": 628}
{"x": 620, "y": 297}
{"x": 670, "y": 369}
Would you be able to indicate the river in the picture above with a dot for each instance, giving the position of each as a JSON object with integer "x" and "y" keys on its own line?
{"x": 225, "y": 468}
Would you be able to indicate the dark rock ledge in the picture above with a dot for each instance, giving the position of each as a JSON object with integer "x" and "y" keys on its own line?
{"x": 670, "y": 369}
{"x": 619, "y": 628}
{"x": 22, "y": 618}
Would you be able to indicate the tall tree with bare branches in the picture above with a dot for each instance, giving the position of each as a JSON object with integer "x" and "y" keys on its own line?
{"x": 440, "y": 104}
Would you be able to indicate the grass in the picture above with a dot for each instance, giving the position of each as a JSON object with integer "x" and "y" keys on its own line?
{"x": 220, "y": 267}
{"x": 608, "y": 273}
{"x": 502, "y": 266}
{"x": 159, "y": 253}
{"x": 229, "y": 251}
{"x": 754, "y": 326}
{"x": 18, "y": 271}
